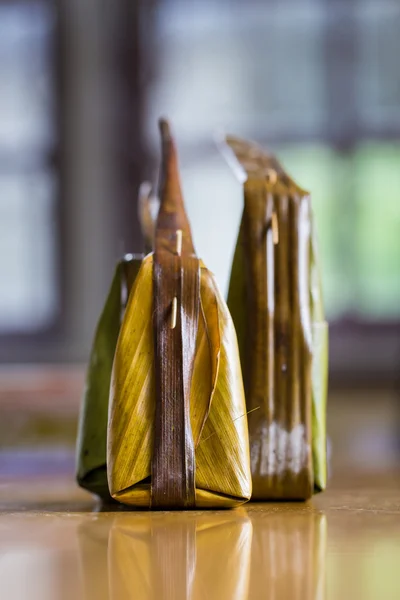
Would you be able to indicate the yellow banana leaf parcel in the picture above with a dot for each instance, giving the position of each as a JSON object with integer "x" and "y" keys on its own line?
{"x": 177, "y": 428}
{"x": 217, "y": 408}
{"x": 276, "y": 304}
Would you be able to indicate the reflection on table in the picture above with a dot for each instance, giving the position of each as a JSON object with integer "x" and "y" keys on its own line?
{"x": 230, "y": 555}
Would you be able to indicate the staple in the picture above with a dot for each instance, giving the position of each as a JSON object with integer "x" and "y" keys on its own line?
{"x": 275, "y": 228}
{"x": 179, "y": 241}
{"x": 174, "y": 310}
{"x": 271, "y": 176}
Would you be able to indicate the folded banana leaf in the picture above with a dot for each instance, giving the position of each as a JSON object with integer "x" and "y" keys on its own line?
{"x": 276, "y": 304}
{"x": 92, "y": 430}
{"x": 177, "y": 431}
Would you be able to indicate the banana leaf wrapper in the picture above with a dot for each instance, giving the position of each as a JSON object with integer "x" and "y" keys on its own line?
{"x": 275, "y": 300}
{"x": 92, "y": 429}
{"x": 177, "y": 432}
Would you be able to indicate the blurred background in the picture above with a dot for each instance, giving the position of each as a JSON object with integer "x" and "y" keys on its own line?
{"x": 82, "y": 85}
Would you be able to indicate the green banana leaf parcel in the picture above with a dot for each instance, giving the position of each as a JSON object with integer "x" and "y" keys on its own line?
{"x": 92, "y": 432}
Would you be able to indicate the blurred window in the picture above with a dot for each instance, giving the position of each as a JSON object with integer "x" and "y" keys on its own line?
{"x": 28, "y": 181}
{"x": 316, "y": 81}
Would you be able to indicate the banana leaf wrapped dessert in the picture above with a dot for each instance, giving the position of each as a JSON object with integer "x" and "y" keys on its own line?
{"x": 177, "y": 430}
{"x": 276, "y": 304}
{"x": 92, "y": 432}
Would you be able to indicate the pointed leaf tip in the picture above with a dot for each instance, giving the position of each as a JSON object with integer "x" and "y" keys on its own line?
{"x": 165, "y": 129}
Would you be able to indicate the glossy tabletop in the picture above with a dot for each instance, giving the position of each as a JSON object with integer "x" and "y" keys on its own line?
{"x": 56, "y": 543}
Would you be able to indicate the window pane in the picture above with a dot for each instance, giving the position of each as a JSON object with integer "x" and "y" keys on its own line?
{"x": 26, "y": 102}
{"x": 378, "y": 75}
{"x": 27, "y": 189}
{"x": 356, "y": 203}
{"x": 224, "y": 64}
{"x": 28, "y": 296}
{"x": 377, "y": 239}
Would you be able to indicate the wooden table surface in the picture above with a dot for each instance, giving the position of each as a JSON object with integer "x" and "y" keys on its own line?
{"x": 56, "y": 543}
